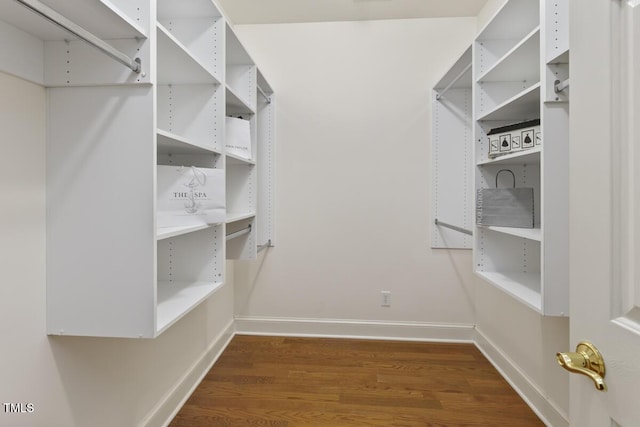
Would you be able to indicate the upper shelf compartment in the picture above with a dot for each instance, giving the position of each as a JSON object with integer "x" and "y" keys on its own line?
{"x": 177, "y": 64}
{"x": 108, "y": 20}
{"x": 510, "y": 26}
{"x": 458, "y": 76}
{"x": 519, "y": 63}
{"x": 240, "y": 76}
{"x": 198, "y": 27}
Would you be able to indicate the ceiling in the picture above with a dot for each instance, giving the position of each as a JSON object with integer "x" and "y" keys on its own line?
{"x": 291, "y": 11}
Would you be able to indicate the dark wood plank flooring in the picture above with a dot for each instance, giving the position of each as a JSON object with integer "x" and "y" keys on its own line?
{"x": 286, "y": 382}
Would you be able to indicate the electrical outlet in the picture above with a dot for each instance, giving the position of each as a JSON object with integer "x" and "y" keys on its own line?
{"x": 385, "y": 298}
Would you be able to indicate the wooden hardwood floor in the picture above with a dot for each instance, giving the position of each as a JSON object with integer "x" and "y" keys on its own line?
{"x": 285, "y": 382}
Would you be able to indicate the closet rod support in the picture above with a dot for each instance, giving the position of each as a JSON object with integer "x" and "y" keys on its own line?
{"x": 559, "y": 86}
{"x": 265, "y": 246}
{"x": 455, "y": 79}
{"x": 264, "y": 95}
{"x": 54, "y": 17}
{"x": 454, "y": 227}
{"x": 239, "y": 233}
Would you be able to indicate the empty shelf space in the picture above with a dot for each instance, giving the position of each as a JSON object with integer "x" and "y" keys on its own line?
{"x": 175, "y": 299}
{"x": 236, "y": 104}
{"x": 168, "y": 232}
{"x": 525, "y": 287}
{"x": 170, "y": 143}
{"x": 234, "y": 159}
{"x": 521, "y": 63}
{"x": 523, "y": 106}
{"x": 527, "y": 233}
{"x": 524, "y": 157}
{"x": 559, "y": 58}
{"x": 239, "y": 216}
{"x": 187, "y": 9}
{"x": 176, "y": 65}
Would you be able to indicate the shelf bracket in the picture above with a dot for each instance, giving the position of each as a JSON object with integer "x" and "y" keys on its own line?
{"x": 54, "y": 17}
{"x": 265, "y": 246}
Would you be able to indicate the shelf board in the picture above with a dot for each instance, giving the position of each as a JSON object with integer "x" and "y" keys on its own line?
{"x": 234, "y": 159}
{"x": 236, "y": 103}
{"x": 168, "y": 232}
{"x": 524, "y": 287}
{"x": 98, "y": 17}
{"x": 534, "y": 234}
{"x": 523, "y": 106}
{"x": 175, "y": 144}
{"x": 239, "y": 216}
{"x": 175, "y": 299}
{"x": 528, "y": 157}
{"x": 176, "y": 65}
{"x": 465, "y": 78}
{"x": 559, "y": 58}
{"x": 188, "y": 9}
{"x": 521, "y": 63}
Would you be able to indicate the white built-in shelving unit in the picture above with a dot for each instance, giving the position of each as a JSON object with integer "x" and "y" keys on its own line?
{"x": 110, "y": 271}
{"x": 249, "y": 180}
{"x": 518, "y": 57}
{"x": 507, "y": 77}
{"x": 451, "y": 161}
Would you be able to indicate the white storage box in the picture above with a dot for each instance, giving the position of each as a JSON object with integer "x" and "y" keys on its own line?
{"x": 190, "y": 196}
{"x": 516, "y": 137}
{"x": 238, "y": 137}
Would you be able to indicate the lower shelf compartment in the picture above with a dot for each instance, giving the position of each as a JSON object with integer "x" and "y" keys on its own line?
{"x": 524, "y": 287}
{"x": 175, "y": 299}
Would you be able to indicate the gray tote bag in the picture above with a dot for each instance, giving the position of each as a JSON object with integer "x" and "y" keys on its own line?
{"x": 505, "y": 207}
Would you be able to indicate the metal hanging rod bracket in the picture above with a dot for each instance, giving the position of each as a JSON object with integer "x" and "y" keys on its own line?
{"x": 559, "y": 86}
{"x": 265, "y": 246}
{"x": 54, "y": 17}
{"x": 239, "y": 233}
{"x": 454, "y": 227}
{"x": 455, "y": 79}
{"x": 265, "y": 96}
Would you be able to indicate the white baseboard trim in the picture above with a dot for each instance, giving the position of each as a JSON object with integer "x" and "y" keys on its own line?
{"x": 340, "y": 328}
{"x": 530, "y": 393}
{"x": 168, "y": 407}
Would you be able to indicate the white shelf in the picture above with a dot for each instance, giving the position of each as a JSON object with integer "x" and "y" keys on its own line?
{"x": 236, "y": 104}
{"x": 239, "y": 216}
{"x": 525, "y": 287}
{"x": 175, "y": 144}
{"x": 521, "y": 63}
{"x": 98, "y": 17}
{"x": 460, "y": 70}
{"x": 527, "y": 233}
{"x": 234, "y": 159}
{"x": 168, "y": 232}
{"x": 175, "y": 299}
{"x": 561, "y": 58}
{"x": 176, "y": 65}
{"x": 187, "y": 9}
{"x": 523, "y": 106}
{"x": 524, "y": 157}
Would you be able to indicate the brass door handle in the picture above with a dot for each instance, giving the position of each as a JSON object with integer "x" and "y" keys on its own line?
{"x": 587, "y": 360}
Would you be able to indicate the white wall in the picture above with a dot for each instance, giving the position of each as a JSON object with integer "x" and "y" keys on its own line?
{"x": 353, "y": 130}
{"x": 74, "y": 381}
{"x": 353, "y": 190}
